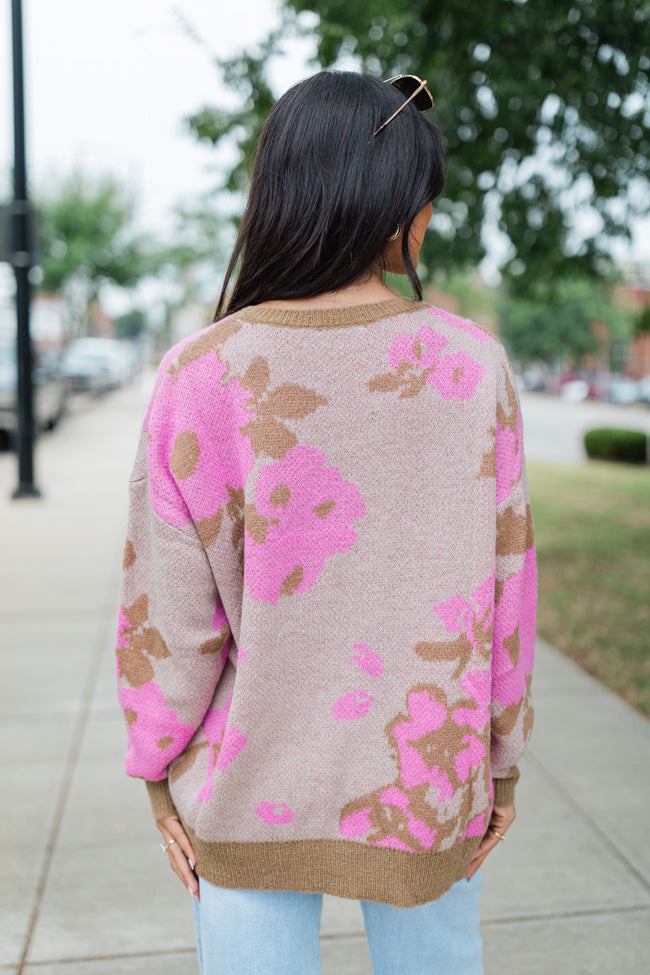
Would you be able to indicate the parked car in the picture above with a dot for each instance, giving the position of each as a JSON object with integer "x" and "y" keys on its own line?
{"x": 50, "y": 387}
{"x": 574, "y": 390}
{"x": 96, "y": 365}
{"x": 579, "y": 384}
{"x": 534, "y": 378}
{"x": 622, "y": 389}
{"x": 644, "y": 390}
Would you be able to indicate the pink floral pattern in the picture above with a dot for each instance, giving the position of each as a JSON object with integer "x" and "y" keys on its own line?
{"x": 303, "y": 514}
{"x": 225, "y": 741}
{"x": 421, "y": 350}
{"x": 356, "y": 823}
{"x": 456, "y": 376}
{"x": 195, "y": 450}
{"x": 123, "y": 629}
{"x": 368, "y": 660}
{"x": 470, "y": 618}
{"x": 508, "y": 453}
{"x": 476, "y": 684}
{"x": 417, "y": 361}
{"x": 462, "y": 323}
{"x": 514, "y": 635}
{"x": 475, "y": 827}
{"x": 504, "y": 459}
{"x": 440, "y": 743}
{"x": 354, "y": 704}
{"x": 275, "y": 813}
{"x": 436, "y": 756}
{"x": 156, "y": 734}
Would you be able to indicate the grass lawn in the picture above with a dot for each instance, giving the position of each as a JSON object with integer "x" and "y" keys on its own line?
{"x": 592, "y": 528}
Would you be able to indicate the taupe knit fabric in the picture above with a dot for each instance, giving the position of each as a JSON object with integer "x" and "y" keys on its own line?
{"x": 326, "y": 639}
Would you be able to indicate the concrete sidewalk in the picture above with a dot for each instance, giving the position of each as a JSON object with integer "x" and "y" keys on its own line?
{"x": 85, "y": 889}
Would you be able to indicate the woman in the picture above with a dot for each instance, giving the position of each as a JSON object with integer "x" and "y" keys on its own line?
{"x": 326, "y": 638}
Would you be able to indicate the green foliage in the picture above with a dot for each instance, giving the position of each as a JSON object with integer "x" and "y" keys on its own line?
{"x": 246, "y": 75}
{"x": 198, "y": 236}
{"x": 473, "y": 299}
{"x": 622, "y": 445}
{"x": 567, "y": 325}
{"x": 130, "y": 325}
{"x": 642, "y": 323}
{"x": 87, "y": 236}
{"x": 544, "y": 106}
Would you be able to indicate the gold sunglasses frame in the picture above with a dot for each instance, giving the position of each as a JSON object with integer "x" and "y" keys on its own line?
{"x": 422, "y": 86}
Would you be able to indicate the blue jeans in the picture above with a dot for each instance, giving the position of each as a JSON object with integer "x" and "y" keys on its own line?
{"x": 275, "y": 932}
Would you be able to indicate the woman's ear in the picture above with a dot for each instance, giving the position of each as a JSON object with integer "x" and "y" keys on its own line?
{"x": 392, "y": 257}
{"x": 393, "y": 260}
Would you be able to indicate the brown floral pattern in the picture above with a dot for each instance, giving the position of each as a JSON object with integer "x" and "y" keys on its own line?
{"x": 440, "y": 759}
{"x": 137, "y": 642}
{"x": 268, "y": 434}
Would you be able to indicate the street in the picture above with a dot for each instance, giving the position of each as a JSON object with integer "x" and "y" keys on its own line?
{"x": 554, "y": 428}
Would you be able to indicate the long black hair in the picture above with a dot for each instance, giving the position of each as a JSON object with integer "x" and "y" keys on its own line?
{"x": 325, "y": 195}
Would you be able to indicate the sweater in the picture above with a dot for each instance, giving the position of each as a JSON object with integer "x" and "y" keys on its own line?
{"x": 326, "y": 638}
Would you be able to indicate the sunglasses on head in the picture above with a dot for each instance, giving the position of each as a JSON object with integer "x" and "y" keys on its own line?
{"x": 415, "y": 90}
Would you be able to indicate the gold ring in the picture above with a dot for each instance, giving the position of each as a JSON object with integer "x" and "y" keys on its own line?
{"x": 165, "y": 846}
{"x": 495, "y": 833}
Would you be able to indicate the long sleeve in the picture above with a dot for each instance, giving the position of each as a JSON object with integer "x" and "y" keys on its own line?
{"x": 515, "y": 596}
{"x": 173, "y": 634}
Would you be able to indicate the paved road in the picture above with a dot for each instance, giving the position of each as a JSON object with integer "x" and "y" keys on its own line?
{"x": 84, "y": 889}
{"x": 554, "y": 429}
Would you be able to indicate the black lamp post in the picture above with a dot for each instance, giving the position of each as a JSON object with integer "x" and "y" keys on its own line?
{"x": 21, "y": 224}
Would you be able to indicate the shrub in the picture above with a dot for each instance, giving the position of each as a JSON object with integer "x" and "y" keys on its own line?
{"x": 623, "y": 445}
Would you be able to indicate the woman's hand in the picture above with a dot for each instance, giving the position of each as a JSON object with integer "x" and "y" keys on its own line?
{"x": 501, "y": 819}
{"x": 180, "y": 852}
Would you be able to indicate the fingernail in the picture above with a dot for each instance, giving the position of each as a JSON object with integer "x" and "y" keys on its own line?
{"x": 191, "y": 865}
{"x": 190, "y": 890}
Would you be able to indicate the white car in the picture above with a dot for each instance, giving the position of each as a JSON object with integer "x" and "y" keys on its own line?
{"x": 96, "y": 365}
{"x": 622, "y": 389}
{"x": 644, "y": 389}
{"x": 50, "y": 388}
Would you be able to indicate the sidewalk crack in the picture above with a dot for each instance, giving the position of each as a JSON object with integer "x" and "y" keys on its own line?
{"x": 562, "y": 915}
{"x": 587, "y": 819}
{"x": 70, "y": 765}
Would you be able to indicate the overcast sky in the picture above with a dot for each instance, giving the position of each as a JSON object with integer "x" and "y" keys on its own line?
{"x": 108, "y": 85}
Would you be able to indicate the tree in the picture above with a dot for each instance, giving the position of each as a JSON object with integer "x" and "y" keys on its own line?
{"x": 642, "y": 322}
{"x": 581, "y": 320}
{"x": 246, "y": 75}
{"x": 545, "y": 108}
{"x": 88, "y": 240}
{"x": 131, "y": 324}
{"x": 201, "y": 237}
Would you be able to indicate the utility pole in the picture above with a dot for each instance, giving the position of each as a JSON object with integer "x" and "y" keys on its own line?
{"x": 21, "y": 233}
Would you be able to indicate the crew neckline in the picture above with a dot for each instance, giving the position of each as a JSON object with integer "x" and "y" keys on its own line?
{"x": 341, "y": 317}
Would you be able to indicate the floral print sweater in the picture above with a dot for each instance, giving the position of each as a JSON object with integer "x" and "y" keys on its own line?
{"x": 326, "y": 637}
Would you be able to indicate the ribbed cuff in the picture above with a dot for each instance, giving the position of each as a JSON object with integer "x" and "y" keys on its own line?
{"x": 504, "y": 789}
{"x": 160, "y": 798}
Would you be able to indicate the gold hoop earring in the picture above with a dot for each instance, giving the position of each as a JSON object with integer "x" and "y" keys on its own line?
{"x": 397, "y": 233}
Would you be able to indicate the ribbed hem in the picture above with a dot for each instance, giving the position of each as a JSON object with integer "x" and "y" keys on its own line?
{"x": 328, "y": 317}
{"x": 160, "y": 798}
{"x": 340, "y": 867}
{"x": 504, "y": 789}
